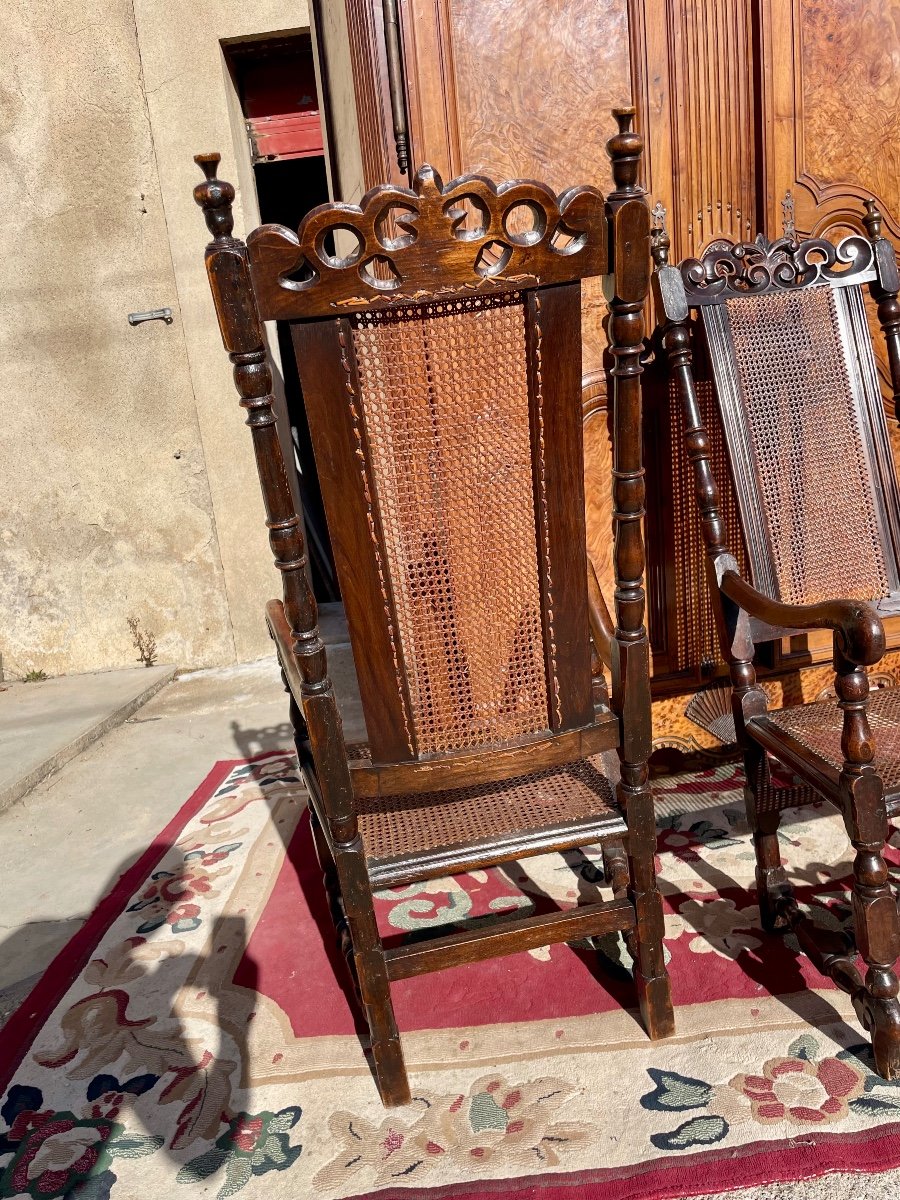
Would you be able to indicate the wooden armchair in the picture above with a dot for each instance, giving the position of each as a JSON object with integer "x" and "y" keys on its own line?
{"x": 439, "y": 351}
{"x": 788, "y": 344}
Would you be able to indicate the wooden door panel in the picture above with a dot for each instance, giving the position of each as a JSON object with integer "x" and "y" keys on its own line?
{"x": 831, "y": 99}
{"x": 694, "y": 72}
{"x": 519, "y": 89}
{"x": 526, "y": 88}
{"x": 694, "y": 85}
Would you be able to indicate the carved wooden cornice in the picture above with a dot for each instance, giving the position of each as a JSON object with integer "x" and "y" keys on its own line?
{"x": 730, "y": 269}
{"x": 428, "y": 242}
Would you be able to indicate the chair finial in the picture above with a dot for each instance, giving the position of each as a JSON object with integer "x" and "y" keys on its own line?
{"x": 660, "y": 242}
{"x": 215, "y": 197}
{"x": 624, "y": 148}
{"x": 873, "y": 218}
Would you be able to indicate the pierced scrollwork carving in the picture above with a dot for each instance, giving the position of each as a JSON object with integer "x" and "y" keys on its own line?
{"x": 403, "y": 245}
{"x": 730, "y": 269}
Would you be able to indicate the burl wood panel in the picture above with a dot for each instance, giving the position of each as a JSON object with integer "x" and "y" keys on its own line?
{"x": 535, "y": 85}
{"x": 832, "y": 96}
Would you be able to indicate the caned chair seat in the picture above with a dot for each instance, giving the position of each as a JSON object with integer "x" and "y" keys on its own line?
{"x": 817, "y": 727}
{"x": 409, "y": 837}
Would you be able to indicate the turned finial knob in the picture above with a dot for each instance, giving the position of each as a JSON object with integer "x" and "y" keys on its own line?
{"x": 624, "y": 148}
{"x": 214, "y": 196}
{"x": 873, "y": 219}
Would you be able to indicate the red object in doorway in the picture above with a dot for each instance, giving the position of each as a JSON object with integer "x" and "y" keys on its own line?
{"x": 285, "y": 135}
{"x": 281, "y": 105}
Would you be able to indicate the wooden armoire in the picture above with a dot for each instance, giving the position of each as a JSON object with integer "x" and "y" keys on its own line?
{"x": 752, "y": 111}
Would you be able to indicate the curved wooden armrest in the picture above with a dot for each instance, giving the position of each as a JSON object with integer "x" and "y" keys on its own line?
{"x": 602, "y": 627}
{"x": 280, "y": 633}
{"x": 858, "y": 629}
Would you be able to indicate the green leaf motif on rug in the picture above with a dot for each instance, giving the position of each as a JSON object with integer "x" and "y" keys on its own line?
{"x": 699, "y": 1131}
{"x": 805, "y": 1047}
{"x": 253, "y": 1144}
{"x": 134, "y": 1145}
{"x": 486, "y": 1113}
{"x": 675, "y": 1093}
{"x": 873, "y": 1104}
{"x": 202, "y": 1167}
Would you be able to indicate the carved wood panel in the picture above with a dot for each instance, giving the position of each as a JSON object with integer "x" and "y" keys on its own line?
{"x": 831, "y": 99}
{"x": 695, "y": 90}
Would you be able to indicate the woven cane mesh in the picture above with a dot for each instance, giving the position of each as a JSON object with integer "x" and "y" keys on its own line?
{"x": 816, "y": 488}
{"x": 818, "y": 727}
{"x": 770, "y": 795}
{"x": 447, "y": 448}
{"x": 402, "y": 825}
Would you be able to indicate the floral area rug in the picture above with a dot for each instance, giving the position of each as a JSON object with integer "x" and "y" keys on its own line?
{"x": 198, "y": 1036}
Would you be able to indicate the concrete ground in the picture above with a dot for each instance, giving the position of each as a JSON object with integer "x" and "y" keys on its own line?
{"x": 64, "y": 845}
{"x": 44, "y": 725}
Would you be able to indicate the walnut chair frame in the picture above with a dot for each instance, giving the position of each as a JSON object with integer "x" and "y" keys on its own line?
{"x": 788, "y": 343}
{"x": 440, "y": 366}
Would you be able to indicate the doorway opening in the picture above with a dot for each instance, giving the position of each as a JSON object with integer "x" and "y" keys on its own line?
{"x": 276, "y": 85}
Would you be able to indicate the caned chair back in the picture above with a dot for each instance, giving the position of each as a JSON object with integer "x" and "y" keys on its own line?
{"x": 798, "y": 392}
{"x": 437, "y": 335}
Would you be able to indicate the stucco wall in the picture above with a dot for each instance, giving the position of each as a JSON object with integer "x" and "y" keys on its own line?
{"x": 126, "y": 476}
{"x": 193, "y": 108}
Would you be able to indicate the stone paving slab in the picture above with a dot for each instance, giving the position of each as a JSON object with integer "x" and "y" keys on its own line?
{"x": 44, "y": 725}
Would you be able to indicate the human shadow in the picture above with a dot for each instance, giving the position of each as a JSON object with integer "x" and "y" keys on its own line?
{"x": 301, "y": 852}
{"x": 147, "y": 1034}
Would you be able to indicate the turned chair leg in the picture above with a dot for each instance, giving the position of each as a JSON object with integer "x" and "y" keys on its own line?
{"x": 877, "y": 927}
{"x": 333, "y": 894}
{"x": 773, "y": 887}
{"x": 615, "y": 866}
{"x": 875, "y": 918}
{"x": 650, "y": 974}
{"x": 360, "y": 944}
{"x": 617, "y": 876}
{"x": 344, "y": 876}
{"x": 387, "y": 1053}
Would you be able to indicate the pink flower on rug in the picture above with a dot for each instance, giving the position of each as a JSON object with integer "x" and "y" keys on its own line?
{"x": 392, "y": 1142}
{"x": 494, "y": 1122}
{"x": 800, "y": 1091}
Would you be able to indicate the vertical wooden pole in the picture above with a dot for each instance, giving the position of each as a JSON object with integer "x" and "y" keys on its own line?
{"x": 629, "y": 221}
{"x": 875, "y": 917}
{"x": 747, "y": 697}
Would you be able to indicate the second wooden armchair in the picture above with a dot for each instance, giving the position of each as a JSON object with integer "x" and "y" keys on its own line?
{"x": 787, "y": 340}
{"x": 437, "y": 333}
